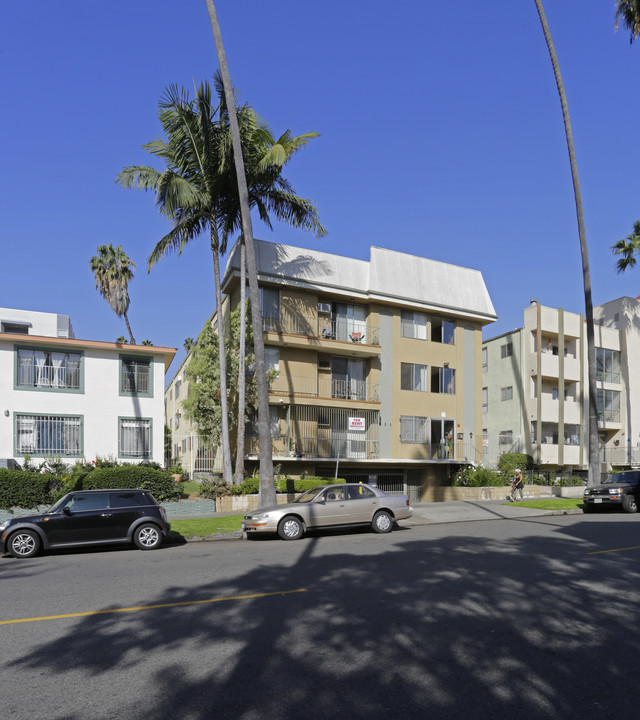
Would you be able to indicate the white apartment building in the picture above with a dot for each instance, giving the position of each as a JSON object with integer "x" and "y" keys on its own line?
{"x": 65, "y": 398}
{"x": 535, "y": 388}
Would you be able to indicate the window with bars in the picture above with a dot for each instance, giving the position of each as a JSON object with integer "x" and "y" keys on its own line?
{"x": 414, "y": 325}
{"x": 48, "y": 369}
{"x": 43, "y": 435}
{"x": 134, "y": 437}
{"x": 413, "y": 429}
{"x": 413, "y": 377}
{"x": 136, "y": 376}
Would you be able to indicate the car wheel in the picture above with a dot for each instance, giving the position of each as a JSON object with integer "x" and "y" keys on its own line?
{"x": 147, "y": 537}
{"x": 382, "y": 522}
{"x": 24, "y": 544}
{"x": 629, "y": 504}
{"x": 290, "y": 528}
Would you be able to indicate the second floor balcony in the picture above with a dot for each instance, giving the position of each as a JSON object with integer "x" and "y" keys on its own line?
{"x": 325, "y": 388}
{"x": 321, "y": 327}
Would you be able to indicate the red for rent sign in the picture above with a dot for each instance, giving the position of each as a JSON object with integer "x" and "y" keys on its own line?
{"x": 356, "y": 423}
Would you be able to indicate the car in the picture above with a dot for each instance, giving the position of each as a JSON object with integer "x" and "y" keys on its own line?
{"x": 89, "y": 517}
{"x": 619, "y": 489}
{"x": 327, "y": 506}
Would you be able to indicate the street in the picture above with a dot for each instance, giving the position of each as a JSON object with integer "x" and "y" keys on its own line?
{"x": 530, "y": 618}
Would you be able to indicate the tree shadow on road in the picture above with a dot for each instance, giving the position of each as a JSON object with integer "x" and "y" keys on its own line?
{"x": 459, "y": 626}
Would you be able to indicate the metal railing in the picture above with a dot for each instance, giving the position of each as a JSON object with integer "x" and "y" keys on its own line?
{"x": 324, "y": 387}
{"x": 48, "y": 376}
{"x": 43, "y": 435}
{"x": 324, "y": 328}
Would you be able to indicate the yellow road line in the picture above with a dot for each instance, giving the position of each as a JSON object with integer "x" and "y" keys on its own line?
{"x": 151, "y": 607}
{"x": 602, "y": 552}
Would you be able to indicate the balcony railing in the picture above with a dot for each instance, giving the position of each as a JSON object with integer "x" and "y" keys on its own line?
{"x": 48, "y": 376}
{"x": 323, "y": 328}
{"x": 325, "y": 388}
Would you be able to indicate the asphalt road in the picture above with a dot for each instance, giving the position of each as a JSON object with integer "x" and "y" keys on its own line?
{"x": 531, "y": 618}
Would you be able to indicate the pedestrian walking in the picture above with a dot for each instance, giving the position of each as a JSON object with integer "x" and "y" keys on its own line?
{"x": 517, "y": 486}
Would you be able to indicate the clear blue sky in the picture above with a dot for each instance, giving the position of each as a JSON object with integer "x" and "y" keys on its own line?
{"x": 441, "y": 135}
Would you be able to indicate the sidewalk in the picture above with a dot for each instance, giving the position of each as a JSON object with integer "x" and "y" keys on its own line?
{"x": 434, "y": 513}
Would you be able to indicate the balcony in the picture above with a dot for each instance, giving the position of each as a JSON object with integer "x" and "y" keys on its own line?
{"x": 324, "y": 388}
{"x": 354, "y": 333}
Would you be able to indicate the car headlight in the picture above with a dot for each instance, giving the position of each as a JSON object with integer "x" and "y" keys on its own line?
{"x": 4, "y": 525}
{"x": 260, "y": 516}
{"x": 615, "y": 491}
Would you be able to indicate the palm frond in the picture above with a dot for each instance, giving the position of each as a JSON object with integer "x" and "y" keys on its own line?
{"x": 140, "y": 177}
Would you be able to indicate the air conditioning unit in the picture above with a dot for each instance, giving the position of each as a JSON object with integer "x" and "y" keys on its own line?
{"x": 324, "y": 364}
{"x": 324, "y": 308}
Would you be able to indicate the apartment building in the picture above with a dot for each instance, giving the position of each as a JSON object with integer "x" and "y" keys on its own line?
{"x": 61, "y": 397}
{"x": 535, "y": 389}
{"x": 377, "y": 362}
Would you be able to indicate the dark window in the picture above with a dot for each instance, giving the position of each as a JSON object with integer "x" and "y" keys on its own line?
{"x": 89, "y": 501}
{"x": 135, "y": 376}
{"x": 359, "y": 492}
{"x": 120, "y": 500}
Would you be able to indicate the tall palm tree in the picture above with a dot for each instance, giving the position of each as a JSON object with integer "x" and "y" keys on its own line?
{"x": 594, "y": 450}
{"x": 628, "y": 249}
{"x": 628, "y": 11}
{"x": 198, "y": 191}
{"x": 113, "y": 272}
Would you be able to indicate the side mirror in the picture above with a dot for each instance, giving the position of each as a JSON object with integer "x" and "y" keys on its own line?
{"x": 66, "y": 511}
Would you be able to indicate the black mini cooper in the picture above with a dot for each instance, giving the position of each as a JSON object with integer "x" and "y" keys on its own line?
{"x": 620, "y": 489}
{"x": 89, "y": 517}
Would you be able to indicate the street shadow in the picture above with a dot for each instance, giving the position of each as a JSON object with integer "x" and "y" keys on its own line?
{"x": 441, "y": 627}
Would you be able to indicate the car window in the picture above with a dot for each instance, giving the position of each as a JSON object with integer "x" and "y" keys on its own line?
{"x": 308, "y": 495}
{"x": 88, "y": 501}
{"x": 128, "y": 499}
{"x": 333, "y": 494}
{"x": 623, "y": 477}
{"x": 359, "y": 492}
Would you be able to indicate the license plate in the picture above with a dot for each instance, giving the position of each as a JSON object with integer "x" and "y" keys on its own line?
{"x": 598, "y": 500}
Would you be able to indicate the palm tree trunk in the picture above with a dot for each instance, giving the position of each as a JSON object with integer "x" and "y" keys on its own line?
{"x": 224, "y": 400}
{"x": 239, "y": 475}
{"x": 126, "y": 319}
{"x": 594, "y": 450}
{"x": 267, "y": 491}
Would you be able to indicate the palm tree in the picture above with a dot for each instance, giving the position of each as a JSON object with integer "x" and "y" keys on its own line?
{"x": 113, "y": 271}
{"x": 594, "y": 454}
{"x": 197, "y": 190}
{"x": 629, "y": 12}
{"x": 628, "y": 249}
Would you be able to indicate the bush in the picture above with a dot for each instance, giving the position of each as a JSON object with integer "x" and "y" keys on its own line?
{"x": 158, "y": 482}
{"x": 25, "y": 489}
{"x": 214, "y": 487}
{"x": 571, "y": 481}
{"x": 300, "y": 485}
{"x": 479, "y": 477}
{"x": 510, "y": 461}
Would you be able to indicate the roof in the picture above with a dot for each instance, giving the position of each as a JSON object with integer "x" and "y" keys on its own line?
{"x": 390, "y": 276}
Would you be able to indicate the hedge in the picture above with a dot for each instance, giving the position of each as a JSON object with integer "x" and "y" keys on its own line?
{"x": 24, "y": 489}
{"x": 158, "y": 482}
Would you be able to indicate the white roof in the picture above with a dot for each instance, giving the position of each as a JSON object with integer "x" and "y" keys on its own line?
{"x": 389, "y": 276}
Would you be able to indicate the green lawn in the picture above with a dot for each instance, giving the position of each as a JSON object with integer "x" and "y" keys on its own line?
{"x": 201, "y": 527}
{"x": 555, "y": 504}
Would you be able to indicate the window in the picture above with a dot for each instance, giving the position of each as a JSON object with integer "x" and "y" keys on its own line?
{"x": 608, "y": 365}
{"x": 43, "y": 435}
{"x": 506, "y": 393}
{"x": 88, "y": 502}
{"x": 128, "y": 499}
{"x": 506, "y": 350}
{"x": 270, "y": 308}
{"x": 48, "y": 369}
{"x": 347, "y": 379}
{"x": 274, "y": 421}
{"x": 443, "y": 331}
{"x": 355, "y": 491}
{"x": 485, "y": 400}
{"x": 485, "y": 360}
{"x": 177, "y": 421}
{"x": 505, "y": 437}
{"x": 272, "y": 359}
{"x": 136, "y": 376}
{"x": 572, "y": 435}
{"x": 413, "y": 429}
{"x": 608, "y": 402}
{"x": 178, "y": 386}
{"x": 413, "y": 377}
{"x": 443, "y": 380}
{"x": 18, "y": 328}
{"x": 414, "y": 325}
{"x": 134, "y": 437}
{"x": 555, "y": 393}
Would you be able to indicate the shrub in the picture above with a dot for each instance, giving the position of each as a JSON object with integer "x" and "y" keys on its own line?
{"x": 214, "y": 487}
{"x": 158, "y": 482}
{"x": 510, "y": 461}
{"x": 571, "y": 481}
{"x": 479, "y": 477}
{"x": 25, "y": 489}
{"x": 299, "y": 485}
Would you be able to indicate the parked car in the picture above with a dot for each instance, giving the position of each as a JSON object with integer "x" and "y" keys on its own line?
{"x": 89, "y": 517}
{"x": 329, "y": 506}
{"x": 620, "y": 489}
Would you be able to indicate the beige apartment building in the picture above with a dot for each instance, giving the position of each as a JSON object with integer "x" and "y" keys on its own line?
{"x": 377, "y": 362}
{"x": 535, "y": 388}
